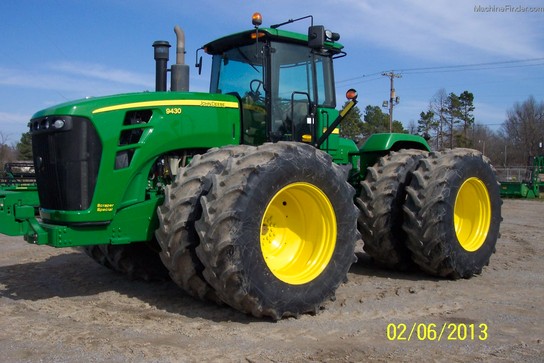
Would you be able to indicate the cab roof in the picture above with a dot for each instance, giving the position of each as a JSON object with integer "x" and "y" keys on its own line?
{"x": 223, "y": 44}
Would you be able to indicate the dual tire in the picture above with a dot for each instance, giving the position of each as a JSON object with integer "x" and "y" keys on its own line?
{"x": 273, "y": 229}
{"x": 440, "y": 211}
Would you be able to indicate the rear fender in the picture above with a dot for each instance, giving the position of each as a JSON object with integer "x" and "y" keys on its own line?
{"x": 378, "y": 145}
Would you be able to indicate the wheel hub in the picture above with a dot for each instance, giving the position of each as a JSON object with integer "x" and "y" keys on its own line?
{"x": 472, "y": 217}
{"x": 298, "y": 233}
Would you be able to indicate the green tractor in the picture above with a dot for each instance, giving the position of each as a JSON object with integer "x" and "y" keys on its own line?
{"x": 532, "y": 187}
{"x": 247, "y": 195}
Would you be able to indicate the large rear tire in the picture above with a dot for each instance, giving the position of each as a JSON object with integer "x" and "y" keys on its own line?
{"x": 453, "y": 213}
{"x": 176, "y": 234}
{"x": 278, "y": 230}
{"x": 380, "y": 201}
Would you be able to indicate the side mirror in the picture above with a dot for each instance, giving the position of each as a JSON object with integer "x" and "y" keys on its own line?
{"x": 199, "y": 66}
{"x": 198, "y": 63}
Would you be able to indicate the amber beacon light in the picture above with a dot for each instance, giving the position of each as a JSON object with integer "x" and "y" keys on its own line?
{"x": 257, "y": 19}
{"x": 351, "y": 94}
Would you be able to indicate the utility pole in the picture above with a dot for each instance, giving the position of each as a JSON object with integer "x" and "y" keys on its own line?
{"x": 393, "y": 99}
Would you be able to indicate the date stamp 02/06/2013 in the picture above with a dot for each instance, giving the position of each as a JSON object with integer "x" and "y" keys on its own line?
{"x": 437, "y": 332}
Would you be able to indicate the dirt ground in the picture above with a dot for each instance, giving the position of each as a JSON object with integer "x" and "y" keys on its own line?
{"x": 57, "y": 305}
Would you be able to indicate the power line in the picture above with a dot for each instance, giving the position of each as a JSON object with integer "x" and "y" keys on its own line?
{"x": 479, "y": 65}
{"x": 479, "y": 68}
{"x": 453, "y": 68}
{"x": 363, "y": 76}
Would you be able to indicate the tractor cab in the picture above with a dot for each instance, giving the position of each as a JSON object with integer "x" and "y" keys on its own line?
{"x": 284, "y": 81}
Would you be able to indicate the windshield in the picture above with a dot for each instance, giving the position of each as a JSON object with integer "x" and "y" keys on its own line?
{"x": 236, "y": 69}
{"x": 239, "y": 72}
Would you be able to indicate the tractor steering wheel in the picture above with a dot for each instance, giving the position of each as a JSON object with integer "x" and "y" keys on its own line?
{"x": 254, "y": 87}
{"x": 259, "y": 84}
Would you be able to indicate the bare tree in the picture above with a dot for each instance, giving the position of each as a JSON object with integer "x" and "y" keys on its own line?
{"x": 7, "y": 153}
{"x": 412, "y": 127}
{"x": 524, "y": 130}
{"x": 439, "y": 105}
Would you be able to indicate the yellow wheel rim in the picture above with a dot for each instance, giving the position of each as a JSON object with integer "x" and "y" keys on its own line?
{"x": 472, "y": 214}
{"x": 298, "y": 233}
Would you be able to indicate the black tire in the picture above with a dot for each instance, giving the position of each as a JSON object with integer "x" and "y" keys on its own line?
{"x": 176, "y": 234}
{"x": 453, "y": 213}
{"x": 380, "y": 201}
{"x": 241, "y": 250}
{"x": 137, "y": 261}
{"x": 96, "y": 253}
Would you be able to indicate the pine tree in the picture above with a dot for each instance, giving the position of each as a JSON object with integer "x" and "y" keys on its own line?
{"x": 467, "y": 118}
{"x": 426, "y": 124}
{"x": 453, "y": 113}
{"x": 352, "y": 126}
{"x": 377, "y": 122}
{"x": 24, "y": 147}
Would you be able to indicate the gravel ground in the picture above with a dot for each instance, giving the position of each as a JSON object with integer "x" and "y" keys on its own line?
{"x": 57, "y": 305}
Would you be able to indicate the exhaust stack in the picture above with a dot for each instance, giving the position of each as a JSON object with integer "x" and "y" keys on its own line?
{"x": 180, "y": 70}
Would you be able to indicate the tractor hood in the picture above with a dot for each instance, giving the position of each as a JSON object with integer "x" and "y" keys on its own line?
{"x": 95, "y": 105}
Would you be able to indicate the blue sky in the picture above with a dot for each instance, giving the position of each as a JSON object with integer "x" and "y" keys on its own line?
{"x": 53, "y": 51}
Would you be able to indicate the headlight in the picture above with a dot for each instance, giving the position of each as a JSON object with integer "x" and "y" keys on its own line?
{"x": 58, "y": 123}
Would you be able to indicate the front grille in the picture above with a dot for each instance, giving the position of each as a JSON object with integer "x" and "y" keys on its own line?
{"x": 66, "y": 153}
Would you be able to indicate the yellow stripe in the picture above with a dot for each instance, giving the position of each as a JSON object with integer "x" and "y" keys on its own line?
{"x": 347, "y": 108}
{"x": 202, "y": 103}
{"x": 336, "y": 131}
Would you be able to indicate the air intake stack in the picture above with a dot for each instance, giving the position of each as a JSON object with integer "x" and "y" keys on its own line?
{"x": 161, "y": 64}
